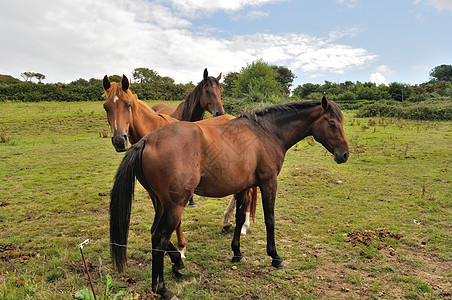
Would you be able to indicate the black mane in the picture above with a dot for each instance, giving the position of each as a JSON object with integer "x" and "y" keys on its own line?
{"x": 283, "y": 109}
{"x": 288, "y": 107}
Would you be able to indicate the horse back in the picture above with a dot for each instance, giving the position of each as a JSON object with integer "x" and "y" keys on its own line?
{"x": 163, "y": 108}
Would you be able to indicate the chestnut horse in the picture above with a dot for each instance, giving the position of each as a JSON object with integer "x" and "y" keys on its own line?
{"x": 129, "y": 118}
{"x": 181, "y": 158}
{"x": 205, "y": 96}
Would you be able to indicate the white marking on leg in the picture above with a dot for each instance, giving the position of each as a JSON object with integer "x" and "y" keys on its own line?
{"x": 228, "y": 213}
{"x": 246, "y": 225}
{"x": 182, "y": 253}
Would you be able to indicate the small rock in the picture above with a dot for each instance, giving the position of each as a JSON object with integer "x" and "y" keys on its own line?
{"x": 234, "y": 267}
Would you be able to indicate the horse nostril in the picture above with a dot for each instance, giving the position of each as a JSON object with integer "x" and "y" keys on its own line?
{"x": 346, "y": 155}
{"x": 125, "y": 137}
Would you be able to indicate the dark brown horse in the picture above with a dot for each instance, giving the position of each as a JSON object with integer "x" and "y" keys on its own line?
{"x": 180, "y": 159}
{"x": 205, "y": 96}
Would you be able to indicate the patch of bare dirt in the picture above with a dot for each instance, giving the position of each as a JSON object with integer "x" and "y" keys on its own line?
{"x": 13, "y": 253}
{"x": 367, "y": 236}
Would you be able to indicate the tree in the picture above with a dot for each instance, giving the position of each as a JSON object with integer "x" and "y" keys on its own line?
{"x": 80, "y": 82}
{"x": 145, "y": 75}
{"x": 285, "y": 77}
{"x": 257, "y": 81}
{"x": 400, "y": 91}
{"x": 441, "y": 73}
{"x": 302, "y": 92}
{"x": 8, "y": 79}
{"x": 27, "y": 75}
{"x": 229, "y": 83}
{"x": 39, "y": 76}
{"x": 115, "y": 78}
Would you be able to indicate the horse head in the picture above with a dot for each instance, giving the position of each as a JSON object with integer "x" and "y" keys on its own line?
{"x": 118, "y": 105}
{"x": 328, "y": 130}
{"x": 210, "y": 98}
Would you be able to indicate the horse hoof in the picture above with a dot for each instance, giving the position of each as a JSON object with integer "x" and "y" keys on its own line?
{"x": 278, "y": 263}
{"x": 236, "y": 259}
{"x": 167, "y": 294}
{"x": 227, "y": 228}
{"x": 178, "y": 271}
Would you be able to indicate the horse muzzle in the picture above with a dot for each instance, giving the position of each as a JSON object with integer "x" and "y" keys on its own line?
{"x": 341, "y": 156}
{"x": 120, "y": 143}
{"x": 218, "y": 113}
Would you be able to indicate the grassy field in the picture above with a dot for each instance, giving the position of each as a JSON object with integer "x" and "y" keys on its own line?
{"x": 379, "y": 226}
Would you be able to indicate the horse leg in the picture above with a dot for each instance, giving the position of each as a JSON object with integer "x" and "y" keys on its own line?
{"x": 239, "y": 220}
{"x": 227, "y": 225}
{"x": 246, "y": 225}
{"x": 191, "y": 202}
{"x": 180, "y": 240}
{"x": 175, "y": 255}
{"x": 268, "y": 192}
{"x": 160, "y": 243}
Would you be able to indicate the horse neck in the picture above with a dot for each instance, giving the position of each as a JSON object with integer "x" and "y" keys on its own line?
{"x": 197, "y": 114}
{"x": 290, "y": 127}
{"x": 191, "y": 107}
{"x": 179, "y": 110}
{"x": 143, "y": 121}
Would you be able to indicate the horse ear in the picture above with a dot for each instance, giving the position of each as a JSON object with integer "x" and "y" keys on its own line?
{"x": 206, "y": 74}
{"x": 219, "y": 77}
{"x": 325, "y": 103}
{"x": 125, "y": 83}
{"x": 106, "y": 83}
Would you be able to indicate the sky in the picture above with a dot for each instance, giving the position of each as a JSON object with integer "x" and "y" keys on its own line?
{"x": 326, "y": 40}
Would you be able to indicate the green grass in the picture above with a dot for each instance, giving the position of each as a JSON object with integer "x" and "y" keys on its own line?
{"x": 57, "y": 166}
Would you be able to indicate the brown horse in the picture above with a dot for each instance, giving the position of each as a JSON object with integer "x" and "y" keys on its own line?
{"x": 205, "y": 96}
{"x": 130, "y": 119}
{"x": 180, "y": 159}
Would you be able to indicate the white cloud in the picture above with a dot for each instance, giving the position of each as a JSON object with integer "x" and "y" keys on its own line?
{"x": 209, "y": 5}
{"x": 385, "y": 70}
{"x": 340, "y": 32}
{"x": 438, "y": 4}
{"x": 71, "y": 39}
{"x": 441, "y": 4}
{"x": 249, "y": 15}
{"x": 300, "y": 52}
{"x": 378, "y": 78}
{"x": 348, "y": 3}
{"x": 420, "y": 68}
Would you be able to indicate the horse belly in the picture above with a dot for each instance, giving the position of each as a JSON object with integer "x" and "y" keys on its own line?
{"x": 220, "y": 179}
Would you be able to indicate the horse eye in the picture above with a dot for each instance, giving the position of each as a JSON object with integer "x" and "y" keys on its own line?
{"x": 128, "y": 105}
{"x": 207, "y": 92}
{"x": 332, "y": 125}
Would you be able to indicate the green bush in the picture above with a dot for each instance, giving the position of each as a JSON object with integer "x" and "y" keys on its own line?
{"x": 414, "y": 111}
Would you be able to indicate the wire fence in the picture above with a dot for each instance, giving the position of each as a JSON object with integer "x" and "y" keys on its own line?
{"x": 250, "y": 258}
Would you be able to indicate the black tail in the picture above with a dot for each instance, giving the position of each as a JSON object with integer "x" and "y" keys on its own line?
{"x": 121, "y": 203}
